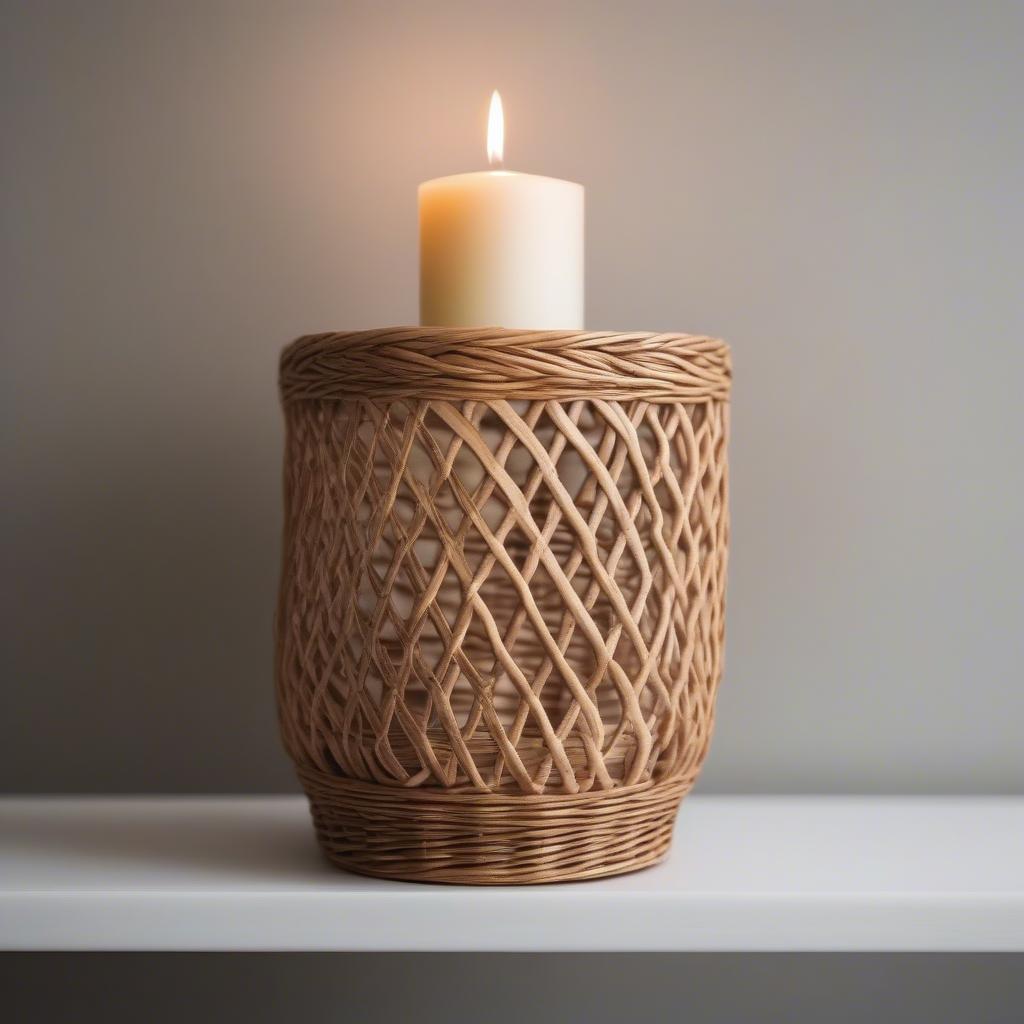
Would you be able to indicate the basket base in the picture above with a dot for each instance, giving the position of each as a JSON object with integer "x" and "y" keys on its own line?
{"x": 472, "y": 838}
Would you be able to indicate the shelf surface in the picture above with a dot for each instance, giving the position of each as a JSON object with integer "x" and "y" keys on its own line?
{"x": 745, "y": 873}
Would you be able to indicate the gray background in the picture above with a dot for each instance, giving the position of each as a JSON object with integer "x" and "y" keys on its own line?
{"x": 833, "y": 187}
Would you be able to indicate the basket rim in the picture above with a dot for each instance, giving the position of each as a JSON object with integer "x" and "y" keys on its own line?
{"x": 492, "y": 363}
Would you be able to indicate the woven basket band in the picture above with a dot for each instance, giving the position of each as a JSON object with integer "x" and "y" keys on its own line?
{"x": 433, "y": 835}
{"x": 489, "y": 364}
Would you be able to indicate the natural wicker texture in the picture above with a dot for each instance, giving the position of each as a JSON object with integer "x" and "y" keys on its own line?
{"x": 466, "y": 364}
{"x": 429, "y": 834}
{"x": 501, "y": 614}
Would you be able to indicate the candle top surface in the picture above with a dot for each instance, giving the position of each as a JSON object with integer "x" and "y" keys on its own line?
{"x": 495, "y": 174}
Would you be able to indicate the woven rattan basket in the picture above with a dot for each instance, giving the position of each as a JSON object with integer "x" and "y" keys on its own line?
{"x": 501, "y": 611}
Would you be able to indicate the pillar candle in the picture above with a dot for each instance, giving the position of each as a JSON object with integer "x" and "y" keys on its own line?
{"x": 501, "y": 249}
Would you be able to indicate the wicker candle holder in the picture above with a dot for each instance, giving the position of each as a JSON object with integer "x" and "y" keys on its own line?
{"x": 501, "y": 612}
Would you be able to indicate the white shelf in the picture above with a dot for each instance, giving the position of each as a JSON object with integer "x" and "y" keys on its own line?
{"x": 746, "y": 873}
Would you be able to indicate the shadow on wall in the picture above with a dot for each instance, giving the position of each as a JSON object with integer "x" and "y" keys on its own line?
{"x": 155, "y": 557}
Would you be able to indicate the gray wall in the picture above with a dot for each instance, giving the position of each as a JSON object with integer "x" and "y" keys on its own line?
{"x": 833, "y": 187}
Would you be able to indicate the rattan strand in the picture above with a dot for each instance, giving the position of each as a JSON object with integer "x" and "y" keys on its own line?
{"x": 502, "y": 601}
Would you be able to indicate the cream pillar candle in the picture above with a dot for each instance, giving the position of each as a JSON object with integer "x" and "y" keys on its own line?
{"x": 501, "y": 249}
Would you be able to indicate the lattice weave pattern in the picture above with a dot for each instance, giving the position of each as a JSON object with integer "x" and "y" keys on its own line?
{"x": 501, "y": 614}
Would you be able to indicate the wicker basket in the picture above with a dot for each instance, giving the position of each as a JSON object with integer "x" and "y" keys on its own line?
{"x": 501, "y": 611}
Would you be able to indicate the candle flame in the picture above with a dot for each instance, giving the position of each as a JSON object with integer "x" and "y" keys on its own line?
{"x": 495, "y": 131}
